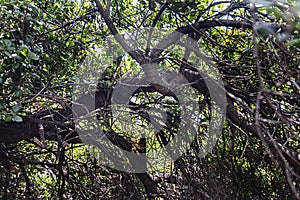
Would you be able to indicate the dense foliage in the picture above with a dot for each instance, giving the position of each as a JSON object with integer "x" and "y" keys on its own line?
{"x": 255, "y": 46}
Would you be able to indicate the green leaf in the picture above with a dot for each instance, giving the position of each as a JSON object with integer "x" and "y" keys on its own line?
{"x": 18, "y": 93}
{"x": 32, "y": 56}
{"x": 293, "y": 42}
{"x": 7, "y": 53}
{"x": 16, "y": 108}
{"x": 17, "y": 118}
{"x": 7, "y": 43}
{"x": 7, "y": 118}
